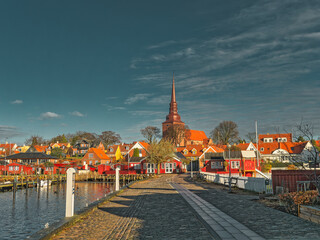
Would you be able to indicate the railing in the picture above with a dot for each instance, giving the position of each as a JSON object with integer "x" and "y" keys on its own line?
{"x": 259, "y": 185}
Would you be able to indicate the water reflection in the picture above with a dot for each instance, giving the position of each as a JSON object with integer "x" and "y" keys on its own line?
{"x": 26, "y": 211}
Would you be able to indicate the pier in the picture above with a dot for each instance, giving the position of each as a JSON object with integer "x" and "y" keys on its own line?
{"x": 27, "y": 181}
{"x": 174, "y": 207}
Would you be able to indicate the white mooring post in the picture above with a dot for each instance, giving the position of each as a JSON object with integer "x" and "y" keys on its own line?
{"x": 70, "y": 192}
{"x": 117, "y": 179}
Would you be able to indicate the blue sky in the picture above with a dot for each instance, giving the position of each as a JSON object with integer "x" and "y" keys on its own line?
{"x": 107, "y": 65}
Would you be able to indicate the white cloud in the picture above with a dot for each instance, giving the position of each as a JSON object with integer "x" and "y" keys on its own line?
{"x": 136, "y": 98}
{"x": 17, "y": 102}
{"x": 77, "y": 114}
{"x": 49, "y": 115}
{"x": 7, "y": 132}
{"x": 160, "y": 100}
{"x": 113, "y": 108}
{"x": 163, "y": 44}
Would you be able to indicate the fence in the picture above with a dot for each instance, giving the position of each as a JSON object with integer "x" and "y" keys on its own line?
{"x": 288, "y": 179}
{"x": 259, "y": 185}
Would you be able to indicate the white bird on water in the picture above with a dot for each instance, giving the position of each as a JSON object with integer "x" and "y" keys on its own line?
{"x": 46, "y": 225}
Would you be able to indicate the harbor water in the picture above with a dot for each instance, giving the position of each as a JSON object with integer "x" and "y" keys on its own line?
{"x": 26, "y": 211}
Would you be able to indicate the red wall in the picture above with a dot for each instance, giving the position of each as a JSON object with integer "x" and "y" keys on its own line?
{"x": 289, "y": 178}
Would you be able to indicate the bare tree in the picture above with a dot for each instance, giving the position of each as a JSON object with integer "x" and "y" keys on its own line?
{"x": 251, "y": 136}
{"x": 311, "y": 154}
{"x": 177, "y": 134}
{"x": 226, "y": 132}
{"x": 159, "y": 152}
{"x": 35, "y": 140}
{"x": 150, "y": 133}
{"x": 109, "y": 138}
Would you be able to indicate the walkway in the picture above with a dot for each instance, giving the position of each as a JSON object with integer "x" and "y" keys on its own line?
{"x": 153, "y": 209}
{"x": 150, "y": 209}
{"x": 267, "y": 222}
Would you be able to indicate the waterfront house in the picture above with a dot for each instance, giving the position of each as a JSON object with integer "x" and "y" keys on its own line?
{"x": 124, "y": 149}
{"x": 82, "y": 147}
{"x": 94, "y": 157}
{"x": 241, "y": 163}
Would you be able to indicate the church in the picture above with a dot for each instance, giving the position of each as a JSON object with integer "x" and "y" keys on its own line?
{"x": 174, "y": 128}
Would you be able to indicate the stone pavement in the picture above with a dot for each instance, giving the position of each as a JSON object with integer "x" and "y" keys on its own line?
{"x": 267, "y": 222}
{"x": 153, "y": 209}
{"x": 222, "y": 225}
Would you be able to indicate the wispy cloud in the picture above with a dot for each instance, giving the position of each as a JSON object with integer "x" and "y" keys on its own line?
{"x": 49, "y": 115}
{"x": 113, "y": 108}
{"x": 77, "y": 114}
{"x": 136, "y": 98}
{"x": 7, "y": 132}
{"x": 159, "y": 100}
{"x": 17, "y": 102}
{"x": 147, "y": 113}
{"x": 162, "y": 44}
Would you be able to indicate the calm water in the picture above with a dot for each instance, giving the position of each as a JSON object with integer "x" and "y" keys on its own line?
{"x": 27, "y": 211}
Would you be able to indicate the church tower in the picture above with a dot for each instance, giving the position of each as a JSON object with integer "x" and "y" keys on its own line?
{"x": 173, "y": 118}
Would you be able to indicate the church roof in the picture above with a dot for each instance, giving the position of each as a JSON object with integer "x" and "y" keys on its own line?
{"x": 197, "y": 135}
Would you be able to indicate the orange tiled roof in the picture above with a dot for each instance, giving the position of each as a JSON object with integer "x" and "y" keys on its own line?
{"x": 243, "y": 146}
{"x": 40, "y": 148}
{"x": 197, "y": 135}
{"x": 7, "y": 145}
{"x": 200, "y": 149}
{"x": 144, "y": 144}
{"x": 276, "y": 135}
{"x": 290, "y": 147}
{"x": 99, "y": 152}
{"x": 122, "y": 148}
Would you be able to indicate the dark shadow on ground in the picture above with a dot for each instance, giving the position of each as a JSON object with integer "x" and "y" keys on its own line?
{"x": 163, "y": 215}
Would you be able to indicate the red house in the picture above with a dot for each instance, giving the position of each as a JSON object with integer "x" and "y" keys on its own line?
{"x": 242, "y": 163}
{"x": 94, "y": 157}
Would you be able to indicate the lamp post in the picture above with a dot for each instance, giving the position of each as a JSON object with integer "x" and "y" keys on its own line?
{"x": 191, "y": 167}
{"x": 228, "y": 145}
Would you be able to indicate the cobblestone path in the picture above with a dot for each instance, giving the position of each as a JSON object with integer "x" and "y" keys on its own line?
{"x": 147, "y": 210}
{"x": 267, "y": 222}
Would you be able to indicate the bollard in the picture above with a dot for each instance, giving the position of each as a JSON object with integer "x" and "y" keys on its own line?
{"x": 117, "y": 179}
{"x": 70, "y": 192}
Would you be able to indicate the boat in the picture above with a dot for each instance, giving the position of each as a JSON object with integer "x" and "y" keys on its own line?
{"x": 44, "y": 183}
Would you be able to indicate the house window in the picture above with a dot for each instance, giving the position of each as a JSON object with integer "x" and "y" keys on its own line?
{"x": 90, "y": 162}
{"x": 185, "y": 152}
{"x": 262, "y": 149}
{"x": 137, "y": 166}
{"x": 216, "y": 165}
{"x": 175, "y": 165}
{"x": 90, "y": 155}
{"x": 10, "y": 168}
{"x": 127, "y": 148}
{"x": 194, "y": 151}
{"x": 235, "y": 164}
{"x": 162, "y": 165}
{"x": 111, "y": 149}
{"x": 16, "y": 168}
{"x": 144, "y": 166}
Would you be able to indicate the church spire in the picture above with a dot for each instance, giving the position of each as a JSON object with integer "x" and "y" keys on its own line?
{"x": 173, "y": 115}
{"x": 173, "y": 94}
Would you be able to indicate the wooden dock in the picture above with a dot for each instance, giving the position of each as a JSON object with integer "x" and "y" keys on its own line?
{"x": 93, "y": 177}
{"x": 8, "y": 183}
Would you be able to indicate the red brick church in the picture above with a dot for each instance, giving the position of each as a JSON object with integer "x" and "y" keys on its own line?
{"x": 173, "y": 121}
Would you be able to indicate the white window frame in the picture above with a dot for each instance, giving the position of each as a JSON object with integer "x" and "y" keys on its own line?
{"x": 235, "y": 164}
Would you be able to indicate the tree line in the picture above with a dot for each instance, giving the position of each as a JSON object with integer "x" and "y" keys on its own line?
{"x": 106, "y": 137}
